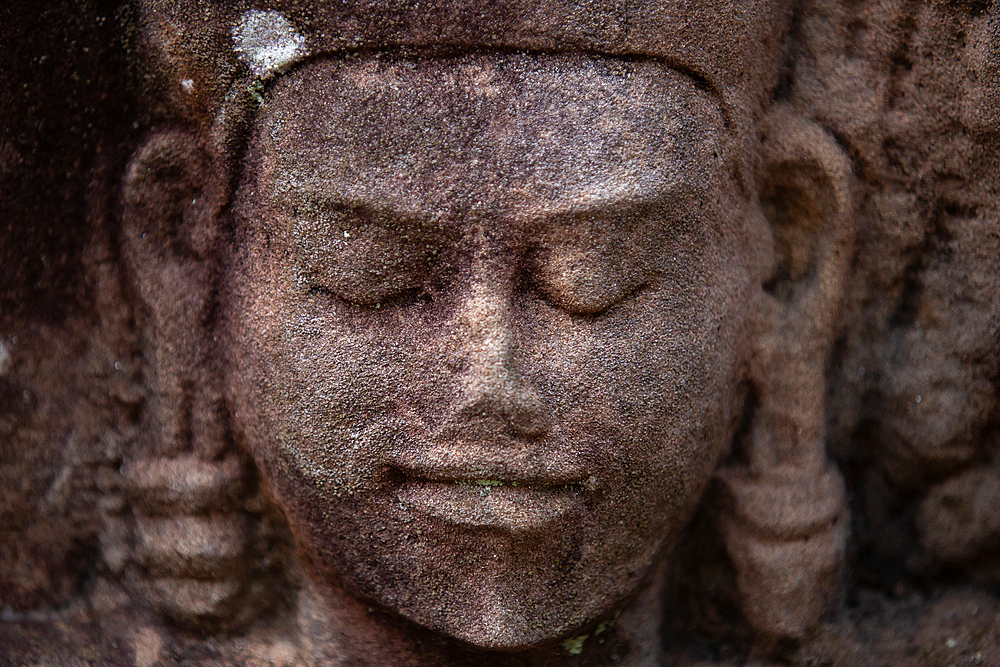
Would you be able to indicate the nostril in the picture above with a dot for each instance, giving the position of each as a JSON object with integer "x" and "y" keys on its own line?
{"x": 526, "y": 414}
{"x": 528, "y": 426}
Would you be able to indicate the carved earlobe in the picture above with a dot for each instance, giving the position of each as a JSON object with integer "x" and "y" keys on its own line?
{"x": 785, "y": 524}
{"x": 193, "y": 540}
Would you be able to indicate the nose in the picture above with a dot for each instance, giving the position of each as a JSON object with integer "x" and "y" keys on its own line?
{"x": 491, "y": 390}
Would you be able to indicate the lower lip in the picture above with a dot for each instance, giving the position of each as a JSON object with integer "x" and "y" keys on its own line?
{"x": 506, "y": 506}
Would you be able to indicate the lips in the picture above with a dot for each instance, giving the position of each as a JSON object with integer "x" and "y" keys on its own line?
{"x": 491, "y": 504}
{"x": 524, "y": 465}
{"x": 515, "y": 490}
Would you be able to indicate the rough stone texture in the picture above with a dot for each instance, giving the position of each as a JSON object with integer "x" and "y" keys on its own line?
{"x": 797, "y": 400}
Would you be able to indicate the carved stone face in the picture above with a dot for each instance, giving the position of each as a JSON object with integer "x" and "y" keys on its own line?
{"x": 487, "y": 319}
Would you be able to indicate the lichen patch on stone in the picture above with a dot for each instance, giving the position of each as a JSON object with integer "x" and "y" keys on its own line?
{"x": 267, "y": 42}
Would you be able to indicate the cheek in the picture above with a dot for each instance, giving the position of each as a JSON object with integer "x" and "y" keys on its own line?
{"x": 339, "y": 391}
{"x": 655, "y": 382}
{"x": 302, "y": 388}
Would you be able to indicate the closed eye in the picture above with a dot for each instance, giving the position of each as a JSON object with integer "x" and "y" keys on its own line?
{"x": 586, "y": 266}
{"x": 586, "y": 283}
{"x": 362, "y": 263}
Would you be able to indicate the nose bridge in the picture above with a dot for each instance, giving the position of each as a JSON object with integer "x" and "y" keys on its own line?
{"x": 486, "y": 332}
{"x": 492, "y": 389}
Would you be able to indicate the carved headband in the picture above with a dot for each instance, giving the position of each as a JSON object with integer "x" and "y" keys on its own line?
{"x": 732, "y": 48}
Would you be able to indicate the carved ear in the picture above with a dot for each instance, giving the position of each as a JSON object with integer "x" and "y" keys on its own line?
{"x": 806, "y": 196}
{"x": 785, "y": 523}
{"x": 169, "y": 205}
{"x": 171, "y": 195}
{"x": 194, "y": 553}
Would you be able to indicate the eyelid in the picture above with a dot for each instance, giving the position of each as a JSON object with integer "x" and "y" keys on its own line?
{"x": 586, "y": 264}
{"x": 359, "y": 261}
{"x": 583, "y": 282}
{"x": 587, "y": 303}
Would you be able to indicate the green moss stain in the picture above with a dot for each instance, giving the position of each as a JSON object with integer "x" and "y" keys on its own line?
{"x": 574, "y": 645}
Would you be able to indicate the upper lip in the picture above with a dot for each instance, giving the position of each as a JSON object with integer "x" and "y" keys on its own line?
{"x": 522, "y": 466}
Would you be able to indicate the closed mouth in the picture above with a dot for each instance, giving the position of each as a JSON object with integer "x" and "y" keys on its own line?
{"x": 492, "y": 503}
{"x": 512, "y": 488}
{"x": 472, "y": 464}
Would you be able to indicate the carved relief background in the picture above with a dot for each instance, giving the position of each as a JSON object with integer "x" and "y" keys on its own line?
{"x": 140, "y": 523}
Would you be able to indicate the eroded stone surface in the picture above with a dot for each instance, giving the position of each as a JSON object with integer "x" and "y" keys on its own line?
{"x": 596, "y": 334}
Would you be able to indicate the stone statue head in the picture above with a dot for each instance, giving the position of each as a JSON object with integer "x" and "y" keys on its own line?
{"x": 488, "y": 322}
{"x": 482, "y": 316}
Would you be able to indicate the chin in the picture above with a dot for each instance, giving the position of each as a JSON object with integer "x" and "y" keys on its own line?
{"x": 495, "y": 619}
{"x": 495, "y": 590}
{"x": 527, "y": 599}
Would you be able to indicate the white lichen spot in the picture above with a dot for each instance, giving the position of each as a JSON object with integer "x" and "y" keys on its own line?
{"x": 574, "y": 645}
{"x": 489, "y": 482}
{"x": 267, "y": 42}
{"x": 4, "y": 359}
{"x": 187, "y": 85}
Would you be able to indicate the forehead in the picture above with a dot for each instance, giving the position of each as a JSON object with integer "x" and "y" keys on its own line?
{"x": 516, "y": 132}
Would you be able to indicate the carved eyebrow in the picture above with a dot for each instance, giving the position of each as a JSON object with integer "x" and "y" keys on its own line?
{"x": 674, "y": 202}
{"x": 374, "y": 212}
{"x": 652, "y": 194}
{"x": 305, "y": 194}
{"x": 670, "y": 200}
